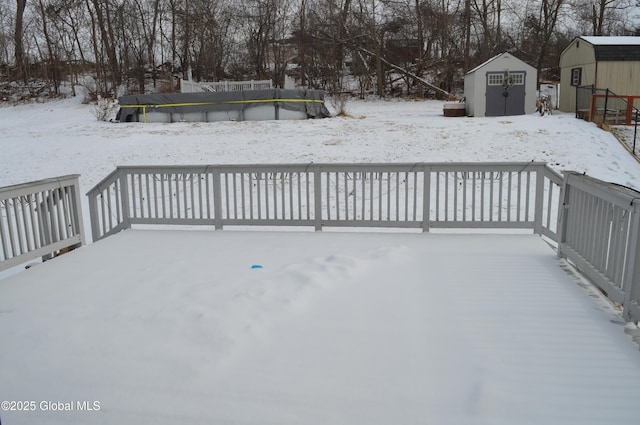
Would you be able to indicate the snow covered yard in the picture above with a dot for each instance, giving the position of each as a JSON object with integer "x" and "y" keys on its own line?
{"x": 175, "y": 326}
{"x": 626, "y": 134}
{"x": 45, "y": 140}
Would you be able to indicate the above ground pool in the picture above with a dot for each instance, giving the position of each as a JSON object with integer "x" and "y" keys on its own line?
{"x": 246, "y": 105}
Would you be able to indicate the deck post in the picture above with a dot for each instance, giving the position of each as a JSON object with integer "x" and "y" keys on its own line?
{"x": 124, "y": 199}
{"x": 539, "y": 202}
{"x": 631, "y": 277}
{"x": 317, "y": 197}
{"x": 563, "y": 211}
{"x": 426, "y": 199}
{"x": 76, "y": 214}
{"x": 93, "y": 216}
{"x": 217, "y": 199}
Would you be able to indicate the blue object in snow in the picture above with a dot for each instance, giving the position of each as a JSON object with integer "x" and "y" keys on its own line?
{"x": 256, "y": 266}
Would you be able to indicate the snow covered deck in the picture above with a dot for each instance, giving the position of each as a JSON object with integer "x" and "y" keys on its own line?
{"x": 165, "y": 327}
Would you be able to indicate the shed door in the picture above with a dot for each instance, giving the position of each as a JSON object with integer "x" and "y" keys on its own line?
{"x": 505, "y": 93}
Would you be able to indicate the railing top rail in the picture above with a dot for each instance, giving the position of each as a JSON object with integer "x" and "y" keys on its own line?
{"x": 448, "y": 165}
{"x": 105, "y": 181}
{"x": 30, "y": 187}
{"x": 303, "y": 167}
{"x": 621, "y": 195}
{"x": 553, "y": 176}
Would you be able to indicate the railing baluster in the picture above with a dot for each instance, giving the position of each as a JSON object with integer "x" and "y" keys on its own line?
{"x": 491, "y": 193}
{"x": 243, "y": 203}
{"x": 227, "y": 203}
{"x": 482, "y": 194}
{"x": 133, "y": 196}
{"x": 250, "y": 193}
{"x": 33, "y": 205}
{"x": 437, "y": 196}
{"x": 446, "y": 196}
{"x": 141, "y": 193}
{"x": 528, "y": 194}
{"x": 500, "y": 195}
{"x": 148, "y": 191}
{"x": 187, "y": 204}
{"x": 519, "y": 207}
{"x": 259, "y": 182}
{"x": 397, "y": 208}
{"x": 165, "y": 193}
{"x": 549, "y": 205}
{"x": 170, "y": 178}
{"x": 509, "y": 192}
{"x": 12, "y": 242}
{"x": 192, "y": 198}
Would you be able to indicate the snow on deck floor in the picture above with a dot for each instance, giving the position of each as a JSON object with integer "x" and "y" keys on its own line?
{"x": 175, "y": 327}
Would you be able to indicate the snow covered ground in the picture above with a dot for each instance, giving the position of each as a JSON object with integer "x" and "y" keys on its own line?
{"x": 341, "y": 328}
{"x": 629, "y": 135}
{"x": 57, "y": 138}
{"x": 45, "y": 140}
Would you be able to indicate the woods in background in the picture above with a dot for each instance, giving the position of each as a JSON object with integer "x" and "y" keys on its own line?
{"x": 386, "y": 47}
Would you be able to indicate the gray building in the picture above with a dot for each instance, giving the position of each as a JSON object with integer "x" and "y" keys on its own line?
{"x": 503, "y": 85}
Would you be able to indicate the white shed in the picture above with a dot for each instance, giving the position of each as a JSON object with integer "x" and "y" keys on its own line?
{"x": 503, "y": 85}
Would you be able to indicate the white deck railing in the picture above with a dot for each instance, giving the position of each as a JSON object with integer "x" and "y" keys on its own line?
{"x": 600, "y": 233}
{"x": 420, "y": 195}
{"x": 38, "y": 219}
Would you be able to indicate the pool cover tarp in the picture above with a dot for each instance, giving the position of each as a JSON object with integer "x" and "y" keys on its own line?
{"x": 309, "y": 101}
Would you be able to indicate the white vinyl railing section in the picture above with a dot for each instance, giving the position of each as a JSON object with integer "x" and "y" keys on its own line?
{"x": 420, "y": 195}
{"x": 38, "y": 219}
{"x": 223, "y": 86}
{"x": 600, "y": 232}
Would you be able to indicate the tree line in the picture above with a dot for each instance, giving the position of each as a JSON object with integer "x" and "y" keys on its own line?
{"x": 418, "y": 47}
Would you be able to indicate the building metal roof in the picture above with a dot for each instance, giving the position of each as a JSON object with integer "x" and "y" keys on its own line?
{"x": 624, "y": 48}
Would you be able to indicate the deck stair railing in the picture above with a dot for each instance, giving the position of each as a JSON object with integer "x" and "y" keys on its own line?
{"x": 599, "y": 232}
{"x": 39, "y": 219}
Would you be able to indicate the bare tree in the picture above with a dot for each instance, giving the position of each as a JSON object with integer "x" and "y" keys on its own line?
{"x": 258, "y": 19}
{"x": 210, "y": 25}
{"x": 488, "y": 15}
{"x": 540, "y": 26}
{"x": 69, "y": 20}
{"x": 50, "y": 62}
{"x": 602, "y": 17}
{"x": 149, "y": 14}
{"x": 467, "y": 32}
{"x": 105, "y": 22}
{"x": 6, "y": 38}
{"x": 18, "y": 40}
